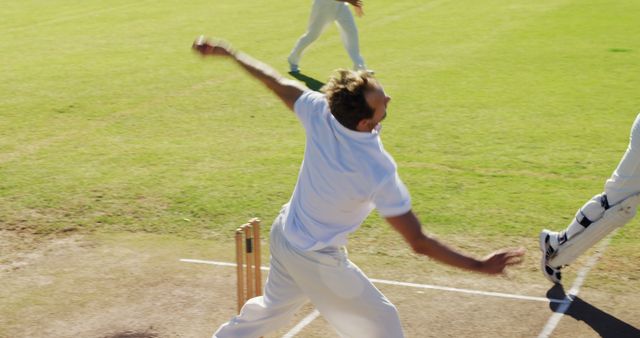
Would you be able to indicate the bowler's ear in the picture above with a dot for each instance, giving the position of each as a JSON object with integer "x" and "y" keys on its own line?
{"x": 364, "y": 125}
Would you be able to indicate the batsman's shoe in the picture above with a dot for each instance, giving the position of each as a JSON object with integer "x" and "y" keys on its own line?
{"x": 549, "y": 246}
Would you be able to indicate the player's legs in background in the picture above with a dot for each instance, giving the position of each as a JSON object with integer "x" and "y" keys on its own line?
{"x": 323, "y": 12}
{"x": 349, "y": 34}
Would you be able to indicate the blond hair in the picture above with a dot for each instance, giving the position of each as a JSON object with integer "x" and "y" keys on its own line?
{"x": 345, "y": 93}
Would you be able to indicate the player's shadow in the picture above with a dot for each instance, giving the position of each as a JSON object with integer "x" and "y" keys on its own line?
{"x": 311, "y": 83}
{"x": 604, "y": 324}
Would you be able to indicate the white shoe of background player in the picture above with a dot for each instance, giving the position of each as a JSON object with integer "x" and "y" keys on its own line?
{"x": 364, "y": 68}
{"x": 293, "y": 68}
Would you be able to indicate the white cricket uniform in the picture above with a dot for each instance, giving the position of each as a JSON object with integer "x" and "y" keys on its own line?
{"x": 324, "y": 12}
{"x": 344, "y": 176}
{"x": 624, "y": 182}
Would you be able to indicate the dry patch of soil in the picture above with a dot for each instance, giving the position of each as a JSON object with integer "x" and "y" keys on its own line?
{"x": 134, "y": 286}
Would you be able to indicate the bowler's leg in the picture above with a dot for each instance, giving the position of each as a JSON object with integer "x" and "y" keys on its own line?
{"x": 355, "y": 307}
{"x": 267, "y": 313}
{"x": 345, "y": 297}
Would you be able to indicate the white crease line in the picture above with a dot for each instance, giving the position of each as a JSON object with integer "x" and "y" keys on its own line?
{"x": 421, "y": 286}
{"x": 473, "y": 292}
{"x": 304, "y": 322}
{"x": 264, "y": 268}
{"x": 573, "y": 292}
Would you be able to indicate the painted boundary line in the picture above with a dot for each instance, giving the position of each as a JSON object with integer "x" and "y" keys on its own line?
{"x": 575, "y": 289}
{"x": 420, "y": 286}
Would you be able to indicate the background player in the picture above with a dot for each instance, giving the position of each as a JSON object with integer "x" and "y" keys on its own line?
{"x": 324, "y": 12}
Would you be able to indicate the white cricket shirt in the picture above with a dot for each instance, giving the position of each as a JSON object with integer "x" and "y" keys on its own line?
{"x": 345, "y": 174}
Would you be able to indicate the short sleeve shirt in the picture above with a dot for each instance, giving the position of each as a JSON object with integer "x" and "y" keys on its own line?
{"x": 345, "y": 174}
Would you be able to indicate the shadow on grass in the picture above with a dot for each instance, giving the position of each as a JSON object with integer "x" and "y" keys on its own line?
{"x": 312, "y": 83}
{"x": 606, "y": 325}
{"x": 620, "y": 50}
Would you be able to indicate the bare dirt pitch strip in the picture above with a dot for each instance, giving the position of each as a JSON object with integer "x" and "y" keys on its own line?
{"x": 138, "y": 286}
{"x": 457, "y": 308}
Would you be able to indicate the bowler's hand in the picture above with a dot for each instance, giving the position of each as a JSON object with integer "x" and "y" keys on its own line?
{"x": 496, "y": 262}
{"x": 205, "y": 46}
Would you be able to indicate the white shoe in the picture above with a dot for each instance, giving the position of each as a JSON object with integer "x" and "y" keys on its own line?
{"x": 293, "y": 68}
{"x": 549, "y": 246}
{"x": 364, "y": 68}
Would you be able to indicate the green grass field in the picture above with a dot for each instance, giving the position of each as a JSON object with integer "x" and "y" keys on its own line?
{"x": 506, "y": 116}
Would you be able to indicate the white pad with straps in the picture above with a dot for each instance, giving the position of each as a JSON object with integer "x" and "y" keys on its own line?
{"x": 613, "y": 218}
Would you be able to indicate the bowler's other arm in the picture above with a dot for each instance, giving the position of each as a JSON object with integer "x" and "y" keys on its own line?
{"x": 410, "y": 228}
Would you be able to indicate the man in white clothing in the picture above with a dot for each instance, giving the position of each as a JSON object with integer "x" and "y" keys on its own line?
{"x": 599, "y": 216}
{"x": 324, "y": 12}
{"x": 346, "y": 173}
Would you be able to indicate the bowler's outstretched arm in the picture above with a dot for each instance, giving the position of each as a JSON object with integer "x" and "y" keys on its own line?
{"x": 287, "y": 90}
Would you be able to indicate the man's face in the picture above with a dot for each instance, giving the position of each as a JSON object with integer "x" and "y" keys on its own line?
{"x": 378, "y": 101}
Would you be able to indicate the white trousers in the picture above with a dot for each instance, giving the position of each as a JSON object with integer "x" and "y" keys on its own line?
{"x": 324, "y": 12}
{"x": 624, "y": 182}
{"x": 337, "y": 288}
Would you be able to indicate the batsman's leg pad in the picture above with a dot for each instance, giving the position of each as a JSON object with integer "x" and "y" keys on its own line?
{"x": 613, "y": 218}
{"x": 589, "y": 213}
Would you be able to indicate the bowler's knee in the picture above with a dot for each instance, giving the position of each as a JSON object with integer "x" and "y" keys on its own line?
{"x": 387, "y": 320}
